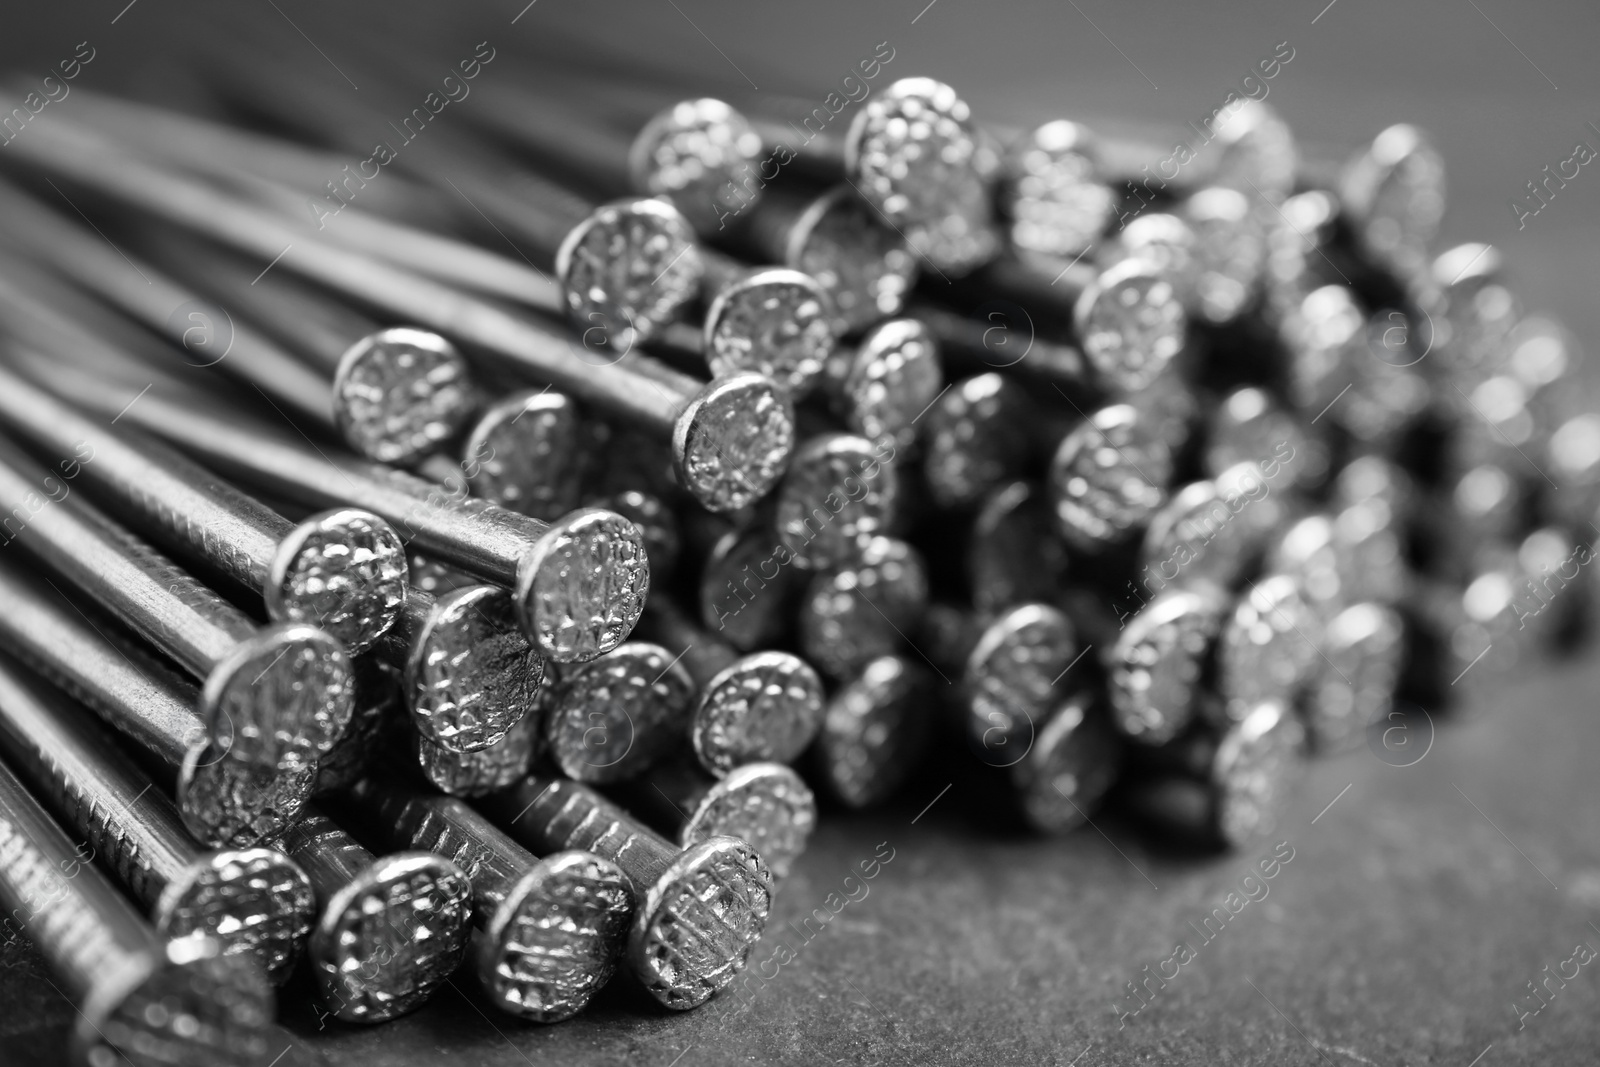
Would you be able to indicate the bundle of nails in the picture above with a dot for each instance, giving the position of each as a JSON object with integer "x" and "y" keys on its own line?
{"x": 466, "y": 541}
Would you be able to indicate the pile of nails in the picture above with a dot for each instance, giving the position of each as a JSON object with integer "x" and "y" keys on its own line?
{"x": 486, "y": 552}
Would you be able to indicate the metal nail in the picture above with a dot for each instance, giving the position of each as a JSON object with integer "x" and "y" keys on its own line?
{"x": 223, "y": 801}
{"x": 1075, "y": 759}
{"x": 839, "y": 487}
{"x": 854, "y": 613}
{"x": 343, "y": 571}
{"x": 731, "y": 438}
{"x": 1156, "y": 665}
{"x": 766, "y": 706}
{"x": 767, "y": 804}
{"x": 579, "y": 583}
{"x": 397, "y": 392}
{"x": 275, "y": 696}
{"x": 746, "y": 588}
{"x": 976, "y": 436}
{"x": 616, "y": 716}
{"x": 391, "y": 929}
{"x": 484, "y": 770}
{"x": 1008, "y": 682}
{"x": 875, "y": 731}
{"x": 250, "y": 901}
{"x": 1013, "y": 554}
{"x": 698, "y": 912}
{"x": 882, "y": 386}
{"x": 866, "y": 268}
{"x": 164, "y": 1001}
{"x": 1109, "y": 477}
{"x": 553, "y": 928}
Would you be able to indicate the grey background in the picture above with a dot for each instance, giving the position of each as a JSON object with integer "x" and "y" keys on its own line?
{"x": 1417, "y": 906}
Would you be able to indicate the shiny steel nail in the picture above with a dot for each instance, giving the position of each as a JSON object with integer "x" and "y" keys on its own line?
{"x": 579, "y": 583}
{"x": 731, "y": 438}
{"x": 1013, "y": 553}
{"x": 1052, "y": 195}
{"x": 767, "y": 804}
{"x": 530, "y": 452}
{"x": 616, "y": 716}
{"x": 1269, "y": 647}
{"x": 881, "y": 386}
{"x": 1128, "y": 318}
{"x": 251, "y": 901}
{"x": 1109, "y": 477}
{"x": 137, "y": 994}
{"x": 1252, "y": 150}
{"x": 343, "y": 571}
{"x": 551, "y": 929}
{"x": 391, "y": 929}
{"x": 838, "y": 488}
{"x": 1394, "y": 193}
{"x": 1156, "y": 665}
{"x": 484, "y": 770}
{"x": 866, "y": 268}
{"x": 1075, "y": 759}
{"x": 658, "y": 524}
{"x": 1001, "y": 336}
{"x": 697, "y": 913}
{"x": 765, "y": 706}
{"x": 276, "y": 696}
{"x": 397, "y": 393}
{"x": 976, "y": 436}
{"x": 150, "y": 296}
{"x": 1248, "y": 426}
{"x": 875, "y": 730}
{"x": 468, "y": 674}
{"x": 1009, "y": 679}
{"x": 1365, "y": 645}
{"x": 854, "y": 613}
{"x": 223, "y": 801}
{"x": 1232, "y": 786}
{"x": 1211, "y": 531}
{"x": 747, "y": 585}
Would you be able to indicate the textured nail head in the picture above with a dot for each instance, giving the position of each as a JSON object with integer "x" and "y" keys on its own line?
{"x": 1256, "y": 767}
{"x": 893, "y": 377}
{"x": 557, "y": 937}
{"x": 974, "y": 437}
{"x": 865, "y": 267}
{"x": 387, "y": 938}
{"x": 1131, "y": 323}
{"x": 1366, "y": 648}
{"x": 1056, "y": 203}
{"x": 874, "y": 730}
{"x": 764, "y": 706}
{"x": 615, "y": 716}
{"x": 251, "y": 901}
{"x": 701, "y": 154}
{"x": 1165, "y": 242}
{"x": 280, "y": 698}
{"x": 1269, "y": 647}
{"x": 1157, "y": 662}
{"x": 401, "y": 393}
{"x": 581, "y": 589}
{"x": 1108, "y": 476}
{"x": 915, "y": 154}
{"x": 1396, "y": 194}
{"x": 631, "y": 259}
{"x": 732, "y": 443}
{"x": 1074, "y": 760}
{"x": 819, "y": 513}
{"x": 193, "y": 1008}
{"x": 695, "y": 925}
{"x": 854, "y": 614}
{"x": 471, "y": 671}
{"x": 484, "y": 770}
{"x": 525, "y": 453}
{"x": 773, "y": 321}
{"x": 1230, "y": 251}
{"x": 228, "y": 802}
{"x": 767, "y": 804}
{"x": 343, "y": 571}
{"x": 1009, "y": 679}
